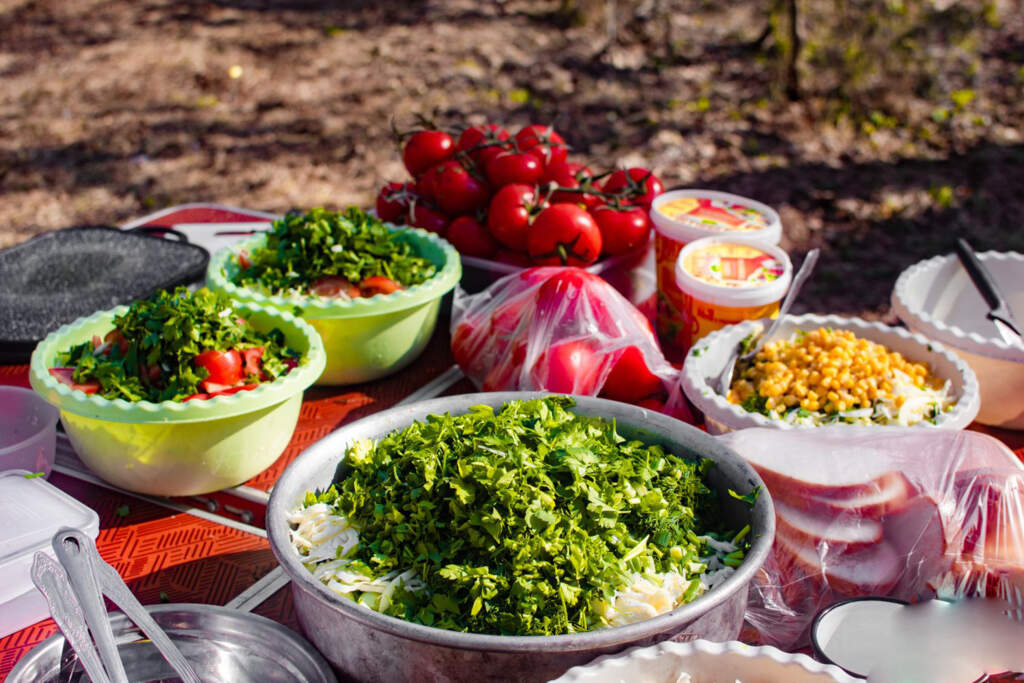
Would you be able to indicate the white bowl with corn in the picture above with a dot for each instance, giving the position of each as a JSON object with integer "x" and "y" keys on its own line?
{"x": 828, "y": 369}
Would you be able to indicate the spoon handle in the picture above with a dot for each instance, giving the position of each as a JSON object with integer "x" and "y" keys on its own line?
{"x": 798, "y": 281}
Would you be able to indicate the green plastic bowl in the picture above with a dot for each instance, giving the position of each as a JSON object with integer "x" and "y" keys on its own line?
{"x": 366, "y": 338}
{"x": 174, "y": 448}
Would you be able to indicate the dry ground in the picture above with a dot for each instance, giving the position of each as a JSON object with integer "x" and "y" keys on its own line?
{"x": 109, "y": 110}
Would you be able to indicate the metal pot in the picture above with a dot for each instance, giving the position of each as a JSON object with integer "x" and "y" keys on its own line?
{"x": 369, "y": 646}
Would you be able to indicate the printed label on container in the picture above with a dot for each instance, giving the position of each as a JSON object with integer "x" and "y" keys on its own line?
{"x": 714, "y": 215}
{"x": 733, "y": 265}
{"x": 670, "y": 297}
{"x": 699, "y": 318}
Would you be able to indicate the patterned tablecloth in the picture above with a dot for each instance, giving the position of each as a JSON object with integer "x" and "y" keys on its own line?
{"x": 210, "y": 549}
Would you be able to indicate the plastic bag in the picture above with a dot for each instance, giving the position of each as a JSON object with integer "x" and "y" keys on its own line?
{"x": 566, "y": 331}
{"x": 911, "y": 513}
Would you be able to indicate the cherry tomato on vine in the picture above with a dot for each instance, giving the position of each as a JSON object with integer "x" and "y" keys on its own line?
{"x": 513, "y": 168}
{"x": 513, "y": 258}
{"x": 470, "y": 238}
{"x": 564, "y": 235}
{"x": 425, "y": 149}
{"x": 426, "y": 185}
{"x": 638, "y": 186}
{"x": 622, "y": 229}
{"x": 482, "y": 142}
{"x": 393, "y": 202}
{"x": 543, "y": 142}
{"x": 459, "y": 192}
{"x": 571, "y": 175}
{"x": 510, "y": 212}
{"x": 428, "y": 218}
{"x": 630, "y": 379}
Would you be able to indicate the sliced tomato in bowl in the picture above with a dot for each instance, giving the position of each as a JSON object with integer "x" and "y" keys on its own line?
{"x": 222, "y": 367}
{"x": 67, "y": 376}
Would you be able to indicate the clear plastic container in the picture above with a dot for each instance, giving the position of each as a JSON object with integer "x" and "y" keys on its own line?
{"x": 683, "y": 216}
{"x": 32, "y": 510}
{"x": 724, "y": 281}
{"x": 28, "y": 431}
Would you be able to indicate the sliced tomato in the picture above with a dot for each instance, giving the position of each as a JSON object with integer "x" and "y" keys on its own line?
{"x": 253, "y": 359}
{"x": 67, "y": 376}
{"x": 227, "y": 391}
{"x": 243, "y": 260}
{"x": 196, "y": 397}
{"x": 223, "y": 367}
{"x": 630, "y": 379}
{"x": 334, "y": 286}
{"x": 114, "y": 337}
{"x": 378, "y": 284}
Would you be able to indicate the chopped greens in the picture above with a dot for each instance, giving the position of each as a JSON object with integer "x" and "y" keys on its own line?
{"x": 302, "y": 248}
{"x": 521, "y": 521}
{"x": 149, "y": 355}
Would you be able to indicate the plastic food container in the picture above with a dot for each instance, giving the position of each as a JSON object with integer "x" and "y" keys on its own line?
{"x": 726, "y": 280}
{"x": 32, "y": 510}
{"x": 937, "y": 299}
{"x": 28, "y": 431}
{"x": 684, "y": 216}
{"x": 178, "y": 448}
{"x": 365, "y": 338}
{"x": 705, "y": 662}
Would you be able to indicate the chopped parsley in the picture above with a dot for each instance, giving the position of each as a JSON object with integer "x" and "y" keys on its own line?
{"x": 521, "y": 521}
{"x": 302, "y": 248}
{"x": 167, "y": 331}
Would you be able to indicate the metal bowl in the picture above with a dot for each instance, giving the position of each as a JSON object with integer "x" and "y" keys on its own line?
{"x": 369, "y": 646}
{"x": 220, "y": 643}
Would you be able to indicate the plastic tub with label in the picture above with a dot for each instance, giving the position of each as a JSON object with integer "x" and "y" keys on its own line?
{"x": 724, "y": 281}
{"x": 683, "y": 216}
{"x": 32, "y": 510}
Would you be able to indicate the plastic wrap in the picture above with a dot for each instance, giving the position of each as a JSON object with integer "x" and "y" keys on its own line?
{"x": 911, "y": 513}
{"x": 562, "y": 330}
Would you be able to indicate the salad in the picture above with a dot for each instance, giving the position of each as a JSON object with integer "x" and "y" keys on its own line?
{"x": 828, "y": 376}
{"x": 528, "y": 520}
{"x": 176, "y": 346}
{"x": 344, "y": 255}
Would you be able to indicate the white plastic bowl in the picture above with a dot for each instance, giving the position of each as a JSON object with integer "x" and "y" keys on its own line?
{"x": 936, "y": 299}
{"x": 28, "y": 431}
{"x": 706, "y": 360}
{"x": 706, "y": 662}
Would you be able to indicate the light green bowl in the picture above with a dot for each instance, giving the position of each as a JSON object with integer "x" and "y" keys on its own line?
{"x": 174, "y": 448}
{"x": 366, "y": 338}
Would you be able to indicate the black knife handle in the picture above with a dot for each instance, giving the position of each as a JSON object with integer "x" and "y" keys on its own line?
{"x": 979, "y": 275}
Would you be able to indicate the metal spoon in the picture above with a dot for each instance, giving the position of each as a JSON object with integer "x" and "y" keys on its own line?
{"x": 725, "y": 379}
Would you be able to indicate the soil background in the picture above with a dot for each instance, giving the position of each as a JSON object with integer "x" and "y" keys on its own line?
{"x": 110, "y": 110}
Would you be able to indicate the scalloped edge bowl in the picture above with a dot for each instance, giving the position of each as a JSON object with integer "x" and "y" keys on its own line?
{"x": 707, "y": 662}
{"x": 174, "y": 448}
{"x": 926, "y": 297}
{"x": 366, "y": 338}
{"x": 706, "y": 360}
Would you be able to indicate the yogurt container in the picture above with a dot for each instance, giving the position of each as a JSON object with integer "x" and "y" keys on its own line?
{"x": 682, "y": 216}
{"x": 726, "y": 280}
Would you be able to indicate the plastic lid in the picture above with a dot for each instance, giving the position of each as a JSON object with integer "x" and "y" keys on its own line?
{"x": 688, "y": 215}
{"x": 32, "y": 510}
{"x": 734, "y": 272}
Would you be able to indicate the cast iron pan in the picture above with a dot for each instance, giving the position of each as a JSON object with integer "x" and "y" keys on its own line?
{"x": 58, "y": 277}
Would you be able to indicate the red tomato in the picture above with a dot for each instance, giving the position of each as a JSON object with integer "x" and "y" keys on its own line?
{"x": 621, "y": 229}
{"x": 470, "y": 238}
{"x": 334, "y": 285}
{"x": 543, "y": 142}
{"x": 562, "y": 295}
{"x": 504, "y": 376}
{"x": 564, "y": 235}
{"x": 392, "y": 203}
{"x": 572, "y": 176}
{"x": 243, "y": 259}
{"x": 425, "y": 149}
{"x": 66, "y": 376}
{"x": 570, "y": 367}
{"x": 513, "y": 258}
{"x": 513, "y": 168}
{"x": 115, "y": 338}
{"x": 638, "y": 186}
{"x": 253, "y": 359}
{"x": 378, "y": 284}
{"x": 483, "y": 142}
{"x": 509, "y": 214}
{"x": 426, "y": 186}
{"x": 630, "y": 379}
{"x": 459, "y": 192}
{"x": 428, "y": 218}
{"x": 652, "y": 403}
{"x": 222, "y": 367}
